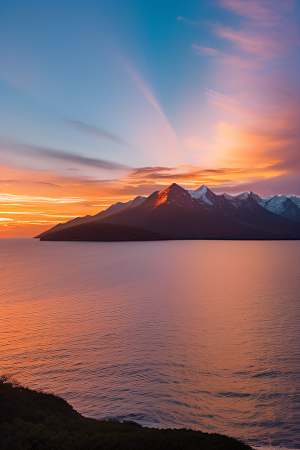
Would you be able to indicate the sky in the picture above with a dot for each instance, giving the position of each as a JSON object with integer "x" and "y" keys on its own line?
{"x": 104, "y": 100}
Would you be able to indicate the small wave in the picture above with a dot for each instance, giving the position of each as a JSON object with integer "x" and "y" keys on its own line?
{"x": 271, "y": 447}
{"x": 233, "y": 394}
{"x": 267, "y": 374}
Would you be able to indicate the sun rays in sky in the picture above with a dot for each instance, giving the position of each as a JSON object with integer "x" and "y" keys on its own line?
{"x": 104, "y": 101}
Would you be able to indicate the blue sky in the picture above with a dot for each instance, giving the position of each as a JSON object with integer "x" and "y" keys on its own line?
{"x": 71, "y": 60}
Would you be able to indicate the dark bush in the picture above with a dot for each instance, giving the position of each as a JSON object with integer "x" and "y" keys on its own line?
{"x": 31, "y": 420}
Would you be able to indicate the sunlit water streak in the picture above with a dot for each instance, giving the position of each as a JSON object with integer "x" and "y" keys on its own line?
{"x": 201, "y": 334}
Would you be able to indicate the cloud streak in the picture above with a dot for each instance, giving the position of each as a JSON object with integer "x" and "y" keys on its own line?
{"x": 24, "y": 199}
{"x": 200, "y": 50}
{"x": 269, "y": 32}
{"x": 9, "y": 148}
{"x": 95, "y": 132}
{"x": 192, "y": 175}
{"x": 183, "y": 19}
{"x": 161, "y": 143}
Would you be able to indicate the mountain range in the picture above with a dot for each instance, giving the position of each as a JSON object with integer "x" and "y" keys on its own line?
{"x": 178, "y": 213}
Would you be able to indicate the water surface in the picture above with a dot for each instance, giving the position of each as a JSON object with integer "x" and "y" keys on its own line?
{"x": 200, "y": 334}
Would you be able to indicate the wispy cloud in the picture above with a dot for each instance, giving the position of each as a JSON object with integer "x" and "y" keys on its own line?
{"x": 162, "y": 143}
{"x": 200, "y": 50}
{"x": 22, "y": 182}
{"x": 28, "y": 198}
{"x": 259, "y": 9}
{"x": 187, "y": 20}
{"x": 7, "y": 148}
{"x": 95, "y": 132}
{"x": 191, "y": 175}
{"x": 255, "y": 42}
{"x": 269, "y": 30}
{"x": 142, "y": 86}
{"x": 36, "y": 213}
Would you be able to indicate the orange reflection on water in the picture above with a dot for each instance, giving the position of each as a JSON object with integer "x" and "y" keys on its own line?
{"x": 202, "y": 334}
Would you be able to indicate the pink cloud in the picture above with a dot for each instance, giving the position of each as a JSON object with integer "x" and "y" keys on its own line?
{"x": 269, "y": 32}
{"x": 259, "y": 9}
{"x": 253, "y": 9}
{"x": 255, "y": 42}
{"x": 240, "y": 62}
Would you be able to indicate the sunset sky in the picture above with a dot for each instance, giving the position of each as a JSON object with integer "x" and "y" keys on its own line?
{"x": 104, "y": 100}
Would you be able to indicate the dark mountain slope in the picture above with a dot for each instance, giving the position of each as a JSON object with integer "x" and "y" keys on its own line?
{"x": 70, "y": 223}
{"x": 132, "y": 216}
{"x": 119, "y": 206}
{"x": 183, "y": 223}
{"x": 245, "y": 209}
{"x": 95, "y": 231}
{"x": 80, "y": 220}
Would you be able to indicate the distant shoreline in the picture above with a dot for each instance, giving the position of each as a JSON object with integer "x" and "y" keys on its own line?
{"x": 174, "y": 239}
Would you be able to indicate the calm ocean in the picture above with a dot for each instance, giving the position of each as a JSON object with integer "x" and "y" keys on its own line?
{"x": 199, "y": 334}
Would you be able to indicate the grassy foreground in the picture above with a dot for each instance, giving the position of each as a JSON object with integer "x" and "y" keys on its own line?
{"x": 31, "y": 420}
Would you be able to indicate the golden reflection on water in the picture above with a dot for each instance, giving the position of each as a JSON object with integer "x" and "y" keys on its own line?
{"x": 202, "y": 334}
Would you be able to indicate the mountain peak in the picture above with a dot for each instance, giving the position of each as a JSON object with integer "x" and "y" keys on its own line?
{"x": 136, "y": 201}
{"x": 173, "y": 194}
{"x": 202, "y": 189}
{"x": 173, "y": 186}
{"x": 243, "y": 195}
{"x": 203, "y": 193}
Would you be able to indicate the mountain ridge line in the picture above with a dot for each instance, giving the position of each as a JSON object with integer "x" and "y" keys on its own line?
{"x": 179, "y": 213}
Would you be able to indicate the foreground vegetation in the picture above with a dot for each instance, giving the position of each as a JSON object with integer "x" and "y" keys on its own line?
{"x": 31, "y": 420}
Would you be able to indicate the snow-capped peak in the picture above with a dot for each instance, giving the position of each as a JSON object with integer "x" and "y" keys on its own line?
{"x": 197, "y": 193}
{"x": 275, "y": 203}
{"x": 228, "y": 196}
{"x": 296, "y": 200}
{"x": 284, "y": 205}
{"x": 136, "y": 201}
{"x": 200, "y": 193}
{"x": 244, "y": 195}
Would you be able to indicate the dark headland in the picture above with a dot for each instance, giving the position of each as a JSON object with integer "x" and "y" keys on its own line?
{"x": 178, "y": 213}
{"x": 31, "y": 420}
